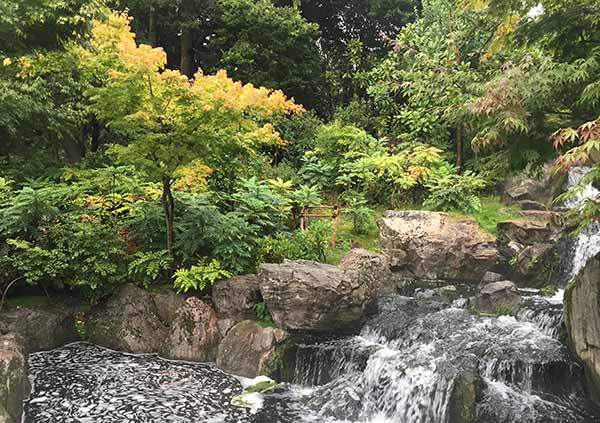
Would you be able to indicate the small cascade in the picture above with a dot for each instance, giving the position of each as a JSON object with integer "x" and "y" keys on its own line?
{"x": 413, "y": 358}
{"x": 546, "y": 313}
{"x": 587, "y": 243}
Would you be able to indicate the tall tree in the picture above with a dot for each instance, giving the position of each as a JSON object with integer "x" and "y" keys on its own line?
{"x": 170, "y": 123}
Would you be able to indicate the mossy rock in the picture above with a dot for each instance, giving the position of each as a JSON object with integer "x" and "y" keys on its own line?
{"x": 463, "y": 400}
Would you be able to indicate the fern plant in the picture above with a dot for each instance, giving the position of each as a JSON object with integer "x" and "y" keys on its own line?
{"x": 199, "y": 276}
{"x": 149, "y": 265}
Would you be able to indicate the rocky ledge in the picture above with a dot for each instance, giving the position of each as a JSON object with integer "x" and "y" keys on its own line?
{"x": 436, "y": 246}
{"x": 14, "y": 384}
{"x": 309, "y": 296}
{"x": 582, "y": 317}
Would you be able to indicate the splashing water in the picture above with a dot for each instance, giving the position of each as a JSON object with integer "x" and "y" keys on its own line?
{"x": 413, "y": 362}
{"x": 587, "y": 243}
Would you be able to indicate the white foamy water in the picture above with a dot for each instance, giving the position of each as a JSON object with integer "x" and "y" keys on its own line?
{"x": 587, "y": 244}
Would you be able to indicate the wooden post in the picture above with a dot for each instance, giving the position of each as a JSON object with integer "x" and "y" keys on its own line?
{"x": 335, "y": 214}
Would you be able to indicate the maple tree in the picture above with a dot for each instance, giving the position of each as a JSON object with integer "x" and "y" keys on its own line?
{"x": 171, "y": 122}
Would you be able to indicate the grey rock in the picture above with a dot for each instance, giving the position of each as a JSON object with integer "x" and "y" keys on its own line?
{"x": 582, "y": 318}
{"x": 531, "y": 205}
{"x": 194, "y": 334}
{"x": 436, "y": 246}
{"x": 14, "y": 382}
{"x": 490, "y": 277}
{"x": 527, "y": 232}
{"x": 498, "y": 297}
{"x": 373, "y": 268}
{"x": 448, "y": 292}
{"x": 250, "y": 350}
{"x": 303, "y": 295}
{"x": 43, "y": 327}
{"x": 236, "y": 297}
{"x": 167, "y": 304}
{"x": 128, "y": 321}
{"x": 225, "y": 326}
{"x": 530, "y": 249}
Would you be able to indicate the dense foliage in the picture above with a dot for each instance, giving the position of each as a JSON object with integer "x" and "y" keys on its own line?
{"x": 182, "y": 142}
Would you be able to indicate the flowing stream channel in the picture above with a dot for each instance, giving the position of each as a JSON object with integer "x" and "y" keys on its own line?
{"x": 423, "y": 358}
{"x": 412, "y": 363}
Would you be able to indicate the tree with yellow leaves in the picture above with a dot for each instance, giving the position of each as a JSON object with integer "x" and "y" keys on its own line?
{"x": 168, "y": 122}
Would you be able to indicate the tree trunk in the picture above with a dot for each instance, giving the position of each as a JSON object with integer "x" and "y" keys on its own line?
{"x": 187, "y": 59}
{"x": 74, "y": 148}
{"x": 152, "y": 37}
{"x": 169, "y": 209}
{"x": 459, "y": 149}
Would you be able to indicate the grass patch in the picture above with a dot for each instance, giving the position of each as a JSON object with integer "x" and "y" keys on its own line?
{"x": 369, "y": 240}
{"x": 493, "y": 211}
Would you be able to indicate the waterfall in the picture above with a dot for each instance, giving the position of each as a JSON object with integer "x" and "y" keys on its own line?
{"x": 587, "y": 243}
{"x": 411, "y": 360}
{"x": 419, "y": 360}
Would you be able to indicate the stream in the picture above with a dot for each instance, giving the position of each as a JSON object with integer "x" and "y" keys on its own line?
{"x": 405, "y": 366}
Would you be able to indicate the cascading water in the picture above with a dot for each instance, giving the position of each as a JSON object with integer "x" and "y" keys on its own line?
{"x": 587, "y": 243}
{"x": 420, "y": 359}
{"x": 422, "y": 356}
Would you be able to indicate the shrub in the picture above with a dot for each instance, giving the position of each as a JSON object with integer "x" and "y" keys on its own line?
{"x": 355, "y": 207}
{"x": 149, "y": 266}
{"x": 450, "y": 191}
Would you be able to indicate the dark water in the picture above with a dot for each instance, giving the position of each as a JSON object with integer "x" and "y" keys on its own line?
{"x": 404, "y": 368}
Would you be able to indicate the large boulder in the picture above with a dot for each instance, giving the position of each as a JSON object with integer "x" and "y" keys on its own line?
{"x": 524, "y": 189}
{"x": 235, "y": 298}
{"x": 14, "y": 384}
{"x": 128, "y": 321}
{"x": 304, "y": 295}
{"x": 373, "y": 268}
{"x": 42, "y": 327}
{"x": 194, "y": 333}
{"x": 436, "y": 246}
{"x": 250, "y": 350}
{"x": 582, "y": 318}
{"x": 530, "y": 250}
{"x": 498, "y": 297}
{"x": 167, "y": 303}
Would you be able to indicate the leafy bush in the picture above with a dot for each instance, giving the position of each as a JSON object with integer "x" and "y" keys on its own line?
{"x": 235, "y": 243}
{"x": 149, "y": 266}
{"x": 355, "y": 207}
{"x": 199, "y": 276}
{"x": 263, "y": 315}
{"x": 450, "y": 191}
{"x": 309, "y": 244}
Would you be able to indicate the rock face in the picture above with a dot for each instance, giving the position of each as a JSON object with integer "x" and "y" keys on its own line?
{"x": 136, "y": 321}
{"x": 236, "y": 297}
{"x": 167, "y": 304}
{"x": 582, "y": 317}
{"x": 128, "y": 321}
{"x": 303, "y": 295}
{"x": 250, "y": 350}
{"x": 194, "y": 334}
{"x": 530, "y": 250}
{"x": 373, "y": 268}
{"x": 42, "y": 328}
{"x": 498, "y": 297}
{"x": 430, "y": 245}
{"x": 526, "y": 190}
{"x": 14, "y": 384}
